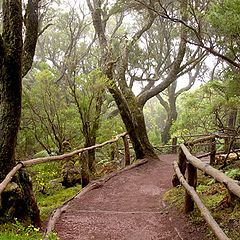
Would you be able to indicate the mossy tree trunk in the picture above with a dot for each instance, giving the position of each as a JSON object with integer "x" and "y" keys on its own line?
{"x": 70, "y": 170}
{"x": 12, "y": 49}
{"x": 10, "y": 84}
{"x": 133, "y": 118}
{"x": 171, "y": 110}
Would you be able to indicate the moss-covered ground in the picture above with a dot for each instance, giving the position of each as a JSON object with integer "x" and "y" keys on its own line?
{"x": 224, "y": 208}
{"x": 50, "y": 194}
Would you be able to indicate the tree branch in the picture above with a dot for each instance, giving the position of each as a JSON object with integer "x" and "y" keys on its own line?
{"x": 31, "y": 23}
{"x": 172, "y": 76}
{"x": 163, "y": 103}
{"x": 44, "y": 29}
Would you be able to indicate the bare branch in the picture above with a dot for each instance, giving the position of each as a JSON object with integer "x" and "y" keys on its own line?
{"x": 163, "y": 102}
{"x": 44, "y": 29}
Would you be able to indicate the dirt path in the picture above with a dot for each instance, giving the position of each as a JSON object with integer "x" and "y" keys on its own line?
{"x": 127, "y": 207}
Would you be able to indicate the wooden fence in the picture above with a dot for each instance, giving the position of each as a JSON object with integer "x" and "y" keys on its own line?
{"x": 35, "y": 161}
{"x": 187, "y": 163}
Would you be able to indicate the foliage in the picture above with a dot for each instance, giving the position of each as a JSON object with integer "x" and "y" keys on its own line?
{"x": 234, "y": 173}
{"x": 195, "y": 113}
{"x": 48, "y": 116}
{"x": 216, "y": 198}
{"x": 18, "y": 231}
{"x": 206, "y": 108}
{"x": 46, "y": 176}
{"x": 88, "y": 93}
{"x": 225, "y": 17}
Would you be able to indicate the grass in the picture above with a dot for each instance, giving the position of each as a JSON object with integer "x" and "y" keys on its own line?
{"x": 225, "y": 210}
{"x": 53, "y": 199}
{"x": 18, "y": 231}
{"x": 47, "y": 203}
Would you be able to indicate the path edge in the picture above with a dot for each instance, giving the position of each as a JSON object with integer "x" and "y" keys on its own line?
{"x": 56, "y": 214}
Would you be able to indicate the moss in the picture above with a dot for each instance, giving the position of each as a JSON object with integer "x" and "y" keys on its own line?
{"x": 47, "y": 203}
{"x": 216, "y": 198}
{"x": 175, "y": 197}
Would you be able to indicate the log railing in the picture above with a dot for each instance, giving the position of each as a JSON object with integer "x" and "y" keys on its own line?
{"x": 196, "y": 142}
{"x": 40, "y": 160}
{"x": 189, "y": 164}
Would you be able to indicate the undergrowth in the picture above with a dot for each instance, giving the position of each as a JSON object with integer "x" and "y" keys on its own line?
{"x": 50, "y": 194}
{"x": 224, "y": 209}
{"x": 16, "y": 231}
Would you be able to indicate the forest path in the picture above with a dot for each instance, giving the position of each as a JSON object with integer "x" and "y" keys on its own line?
{"x": 129, "y": 206}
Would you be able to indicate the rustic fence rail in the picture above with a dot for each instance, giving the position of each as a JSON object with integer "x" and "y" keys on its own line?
{"x": 40, "y": 160}
{"x": 189, "y": 164}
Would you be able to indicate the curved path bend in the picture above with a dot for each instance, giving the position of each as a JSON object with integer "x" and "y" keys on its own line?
{"x": 128, "y": 206}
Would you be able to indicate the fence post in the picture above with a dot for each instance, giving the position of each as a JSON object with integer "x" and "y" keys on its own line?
{"x": 192, "y": 181}
{"x": 227, "y": 144}
{"x": 84, "y": 169}
{"x": 117, "y": 151}
{"x": 174, "y": 145}
{"x": 182, "y": 166}
{"x": 213, "y": 151}
{"x": 126, "y": 151}
{"x": 112, "y": 152}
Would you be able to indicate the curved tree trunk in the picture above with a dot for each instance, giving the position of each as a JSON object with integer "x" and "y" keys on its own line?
{"x": 171, "y": 117}
{"x": 130, "y": 107}
{"x": 134, "y": 122}
{"x": 130, "y": 111}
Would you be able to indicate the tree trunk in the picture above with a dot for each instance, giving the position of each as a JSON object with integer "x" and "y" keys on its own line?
{"x": 171, "y": 117}
{"x": 85, "y": 169}
{"x": 232, "y": 118}
{"x": 71, "y": 173}
{"x": 91, "y": 141}
{"x": 133, "y": 118}
{"x": 18, "y": 200}
{"x": 10, "y": 87}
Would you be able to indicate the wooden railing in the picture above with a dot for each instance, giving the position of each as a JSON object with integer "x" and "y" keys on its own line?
{"x": 191, "y": 163}
{"x": 40, "y": 160}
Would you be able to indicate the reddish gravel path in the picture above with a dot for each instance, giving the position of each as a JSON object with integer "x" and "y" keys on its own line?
{"x": 129, "y": 206}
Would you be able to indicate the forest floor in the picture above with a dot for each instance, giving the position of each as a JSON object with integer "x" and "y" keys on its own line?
{"x": 129, "y": 206}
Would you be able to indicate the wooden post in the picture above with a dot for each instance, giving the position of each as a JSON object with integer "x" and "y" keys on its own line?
{"x": 112, "y": 152}
{"x": 174, "y": 145}
{"x": 192, "y": 181}
{"x": 182, "y": 165}
{"x": 126, "y": 151}
{"x": 116, "y": 151}
{"x": 226, "y": 144}
{"x": 213, "y": 151}
{"x": 84, "y": 169}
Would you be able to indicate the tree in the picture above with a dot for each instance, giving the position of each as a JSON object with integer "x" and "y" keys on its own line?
{"x": 169, "y": 103}
{"x": 130, "y": 106}
{"x": 48, "y": 113}
{"x": 88, "y": 93}
{"x": 213, "y": 25}
{"x": 215, "y": 103}
{"x": 16, "y": 57}
{"x": 70, "y": 56}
